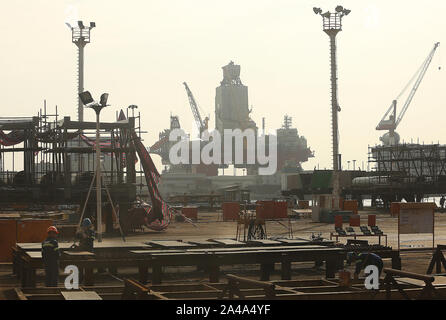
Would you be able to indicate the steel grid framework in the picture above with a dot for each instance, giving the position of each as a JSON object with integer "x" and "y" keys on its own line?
{"x": 410, "y": 163}
{"x": 49, "y": 146}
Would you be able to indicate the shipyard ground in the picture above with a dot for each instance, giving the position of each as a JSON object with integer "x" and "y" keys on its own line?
{"x": 415, "y": 257}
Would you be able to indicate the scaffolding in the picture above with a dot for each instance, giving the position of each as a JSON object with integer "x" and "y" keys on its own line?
{"x": 410, "y": 163}
{"x": 50, "y": 148}
{"x": 404, "y": 171}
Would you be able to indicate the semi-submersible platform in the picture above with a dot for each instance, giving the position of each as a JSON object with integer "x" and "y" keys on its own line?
{"x": 232, "y": 111}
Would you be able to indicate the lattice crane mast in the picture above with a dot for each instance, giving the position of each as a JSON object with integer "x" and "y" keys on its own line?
{"x": 390, "y": 124}
{"x": 201, "y": 125}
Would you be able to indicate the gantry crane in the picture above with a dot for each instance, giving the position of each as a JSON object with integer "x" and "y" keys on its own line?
{"x": 391, "y": 137}
{"x": 201, "y": 125}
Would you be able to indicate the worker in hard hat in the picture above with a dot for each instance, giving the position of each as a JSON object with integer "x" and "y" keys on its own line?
{"x": 86, "y": 236}
{"x": 50, "y": 257}
{"x": 363, "y": 260}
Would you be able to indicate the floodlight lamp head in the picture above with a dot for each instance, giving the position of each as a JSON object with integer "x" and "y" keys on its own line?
{"x": 317, "y": 10}
{"x": 92, "y": 25}
{"x": 80, "y": 24}
{"x": 346, "y": 12}
{"x": 86, "y": 98}
{"x": 339, "y": 9}
{"x": 103, "y": 101}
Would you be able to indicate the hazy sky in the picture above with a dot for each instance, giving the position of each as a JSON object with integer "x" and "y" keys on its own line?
{"x": 142, "y": 51}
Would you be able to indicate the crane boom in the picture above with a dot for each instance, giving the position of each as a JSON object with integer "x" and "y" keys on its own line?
{"x": 417, "y": 83}
{"x": 392, "y": 123}
{"x": 194, "y": 108}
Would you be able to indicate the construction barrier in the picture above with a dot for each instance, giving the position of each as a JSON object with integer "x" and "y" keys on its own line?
{"x": 8, "y": 239}
{"x": 281, "y": 209}
{"x": 395, "y": 209}
{"x": 231, "y": 210}
{"x": 271, "y": 209}
{"x": 341, "y": 203}
{"x": 351, "y": 205}
{"x": 23, "y": 231}
{"x": 265, "y": 209}
{"x": 190, "y": 212}
{"x": 355, "y": 220}
{"x": 338, "y": 221}
{"x": 32, "y": 230}
{"x": 371, "y": 220}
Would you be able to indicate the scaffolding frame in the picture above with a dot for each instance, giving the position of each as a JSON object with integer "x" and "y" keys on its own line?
{"x": 410, "y": 163}
{"x": 50, "y": 146}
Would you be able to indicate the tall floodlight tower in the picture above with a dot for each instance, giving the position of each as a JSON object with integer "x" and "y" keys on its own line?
{"x": 332, "y": 24}
{"x": 87, "y": 100}
{"x": 80, "y": 36}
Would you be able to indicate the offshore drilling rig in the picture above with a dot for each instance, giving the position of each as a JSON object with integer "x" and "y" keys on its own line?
{"x": 232, "y": 111}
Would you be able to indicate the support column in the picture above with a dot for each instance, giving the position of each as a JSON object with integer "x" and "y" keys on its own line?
{"x": 334, "y": 98}
{"x": 98, "y": 181}
{"x": 80, "y": 87}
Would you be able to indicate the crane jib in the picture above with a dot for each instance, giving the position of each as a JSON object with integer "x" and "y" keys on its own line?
{"x": 194, "y": 108}
{"x": 393, "y": 121}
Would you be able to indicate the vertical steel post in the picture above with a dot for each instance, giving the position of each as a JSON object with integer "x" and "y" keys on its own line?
{"x": 80, "y": 88}
{"x": 332, "y": 32}
{"x": 334, "y": 97}
{"x": 98, "y": 179}
{"x": 80, "y": 71}
{"x": 80, "y": 36}
{"x": 332, "y": 24}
